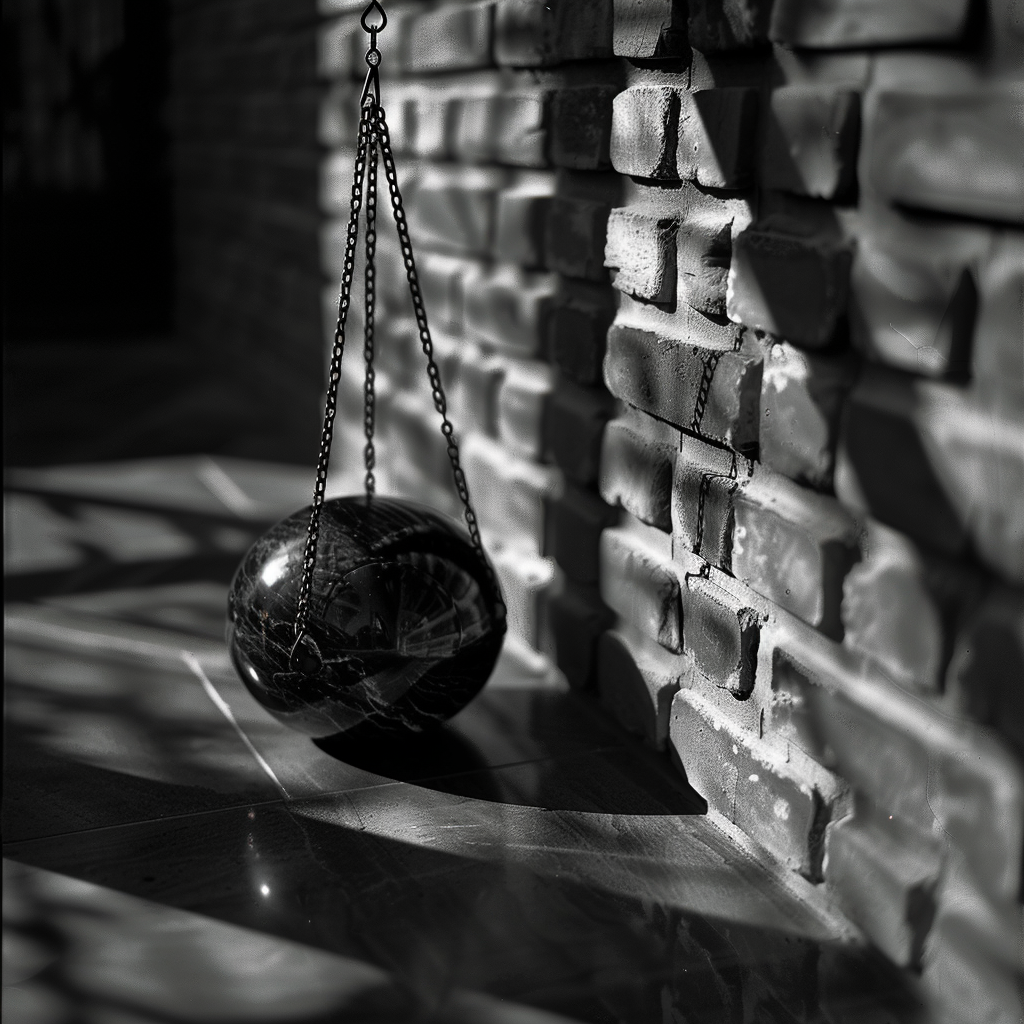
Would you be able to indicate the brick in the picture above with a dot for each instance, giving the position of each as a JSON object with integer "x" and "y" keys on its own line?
{"x": 716, "y": 26}
{"x": 650, "y": 30}
{"x": 431, "y": 125}
{"x": 802, "y": 395}
{"x": 907, "y": 757}
{"x": 455, "y": 211}
{"x": 705, "y": 479}
{"x": 722, "y": 634}
{"x": 794, "y": 547}
{"x": 703, "y": 254}
{"x": 510, "y": 308}
{"x": 335, "y": 47}
{"x": 914, "y": 298}
{"x": 443, "y": 281}
{"x": 642, "y": 587}
{"x": 937, "y": 463}
{"x": 636, "y": 690}
{"x": 703, "y": 136}
{"x": 457, "y": 37}
{"x": 641, "y": 248}
{"x": 578, "y": 328}
{"x": 576, "y": 424}
{"x": 985, "y": 679}
{"x": 523, "y": 215}
{"x": 793, "y": 287}
{"x": 811, "y": 139}
{"x": 540, "y": 33}
{"x": 902, "y": 606}
{"x": 883, "y": 875}
{"x": 506, "y": 128}
{"x": 578, "y": 517}
{"x": 644, "y": 122}
{"x": 577, "y": 618}
{"x": 476, "y": 396}
{"x": 911, "y": 160}
{"x": 523, "y": 398}
{"x": 822, "y": 24}
{"x": 581, "y": 127}
{"x": 712, "y": 393}
{"x": 511, "y": 495}
{"x": 637, "y": 460}
{"x": 525, "y": 580}
{"x": 716, "y": 129}
{"x": 747, "y": 782}
{"x": 574, "y": 237}
{"x": 997, "y": 356}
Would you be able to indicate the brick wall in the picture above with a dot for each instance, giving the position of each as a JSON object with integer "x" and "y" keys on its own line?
{"x": 243, "y": 118}
{"x": 729, "y": 302}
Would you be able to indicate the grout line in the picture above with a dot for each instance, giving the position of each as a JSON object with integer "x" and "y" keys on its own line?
{"x": 193, "y": 663}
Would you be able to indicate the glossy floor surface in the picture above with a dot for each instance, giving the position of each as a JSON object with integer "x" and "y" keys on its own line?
{"x": 173, "y": 853}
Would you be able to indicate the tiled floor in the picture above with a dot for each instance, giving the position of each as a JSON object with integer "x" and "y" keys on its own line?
{"x": 176, "y": 854}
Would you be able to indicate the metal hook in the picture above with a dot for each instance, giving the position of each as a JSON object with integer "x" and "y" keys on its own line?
{"x": 370, "y": 9}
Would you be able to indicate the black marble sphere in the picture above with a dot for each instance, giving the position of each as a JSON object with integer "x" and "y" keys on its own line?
{"x": 407, "y": 619}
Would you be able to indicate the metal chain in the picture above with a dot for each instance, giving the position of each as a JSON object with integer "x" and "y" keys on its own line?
{"x": 370, "y": 281}
{"x": 433, "y": 373}
{"x": 373, "y": 132}
{"x": 333, "y": 379}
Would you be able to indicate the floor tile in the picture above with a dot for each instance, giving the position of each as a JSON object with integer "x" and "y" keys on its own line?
{"x": 599, "y": 917}
{"x": 73, "y": 950}
{"x": 106, "y": 723}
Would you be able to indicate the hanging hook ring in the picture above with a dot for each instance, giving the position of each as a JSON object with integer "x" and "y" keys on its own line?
{"x": 373, "y": 8}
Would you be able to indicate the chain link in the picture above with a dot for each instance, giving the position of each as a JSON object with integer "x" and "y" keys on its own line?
{"x": 333, "y": 377}
{"x": 370, "y": 281}
{"x": 373, "y": 133}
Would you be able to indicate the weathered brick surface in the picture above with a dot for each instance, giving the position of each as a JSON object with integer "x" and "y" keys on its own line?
{"x": 540, "y": 33}
{"x": 704, "y": 136}
{"x": 793, "y": 287}
{"x": 802, "y": 396}
{"x": 650, "y": 30}
{"x": 452, "y": 37}
{"x": 510, "y": 309}
{"x": 709, "y": 392}
{"x": 523, "y": 214}
{"x": 581, "y": 127}
{"x": 914, "y": 297}
{"x": 641, "y": 248}
{"x": 637, "y": 459}
{"x": 794, "y": 547}
{"x": 577, "y": 330}
{"x": 884, "y": 876}
{"x": 642, "y": 587}
{"x": 475, "y": 398}
{"x": 825, "y": 25}
{"x": 717, "y": 27}
{"x": 578, "y": 517}
{"x": 722, "y": 633}
{"x": 811, "y": 140}
{"x": 455, "y": 210}
{"x": 703, "y": 253}
{"x": 903, "y": 754}
{"x": 576, "y": 424}
{"x": 985, "y": 679}
{"x": 911, "y": 160}
{"x": 902, "y": 606}
{"x": 705, "y": 480}
{"x": 752, "y": 785}
{"x": 526, "y": 581}
{"x": 933, "y": 461}
{"x": 523, "y": 399}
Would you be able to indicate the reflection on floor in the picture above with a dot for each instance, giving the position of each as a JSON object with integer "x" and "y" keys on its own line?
{"x": 176, "y": 854}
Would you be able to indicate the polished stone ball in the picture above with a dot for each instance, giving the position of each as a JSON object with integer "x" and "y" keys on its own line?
{"x": 406, "y": 619}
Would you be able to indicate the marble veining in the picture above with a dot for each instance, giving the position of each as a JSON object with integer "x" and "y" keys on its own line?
{"x": 405, "y": 614}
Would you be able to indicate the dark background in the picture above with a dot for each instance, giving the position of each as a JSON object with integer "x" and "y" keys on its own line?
{"x": 160, "y": 254}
